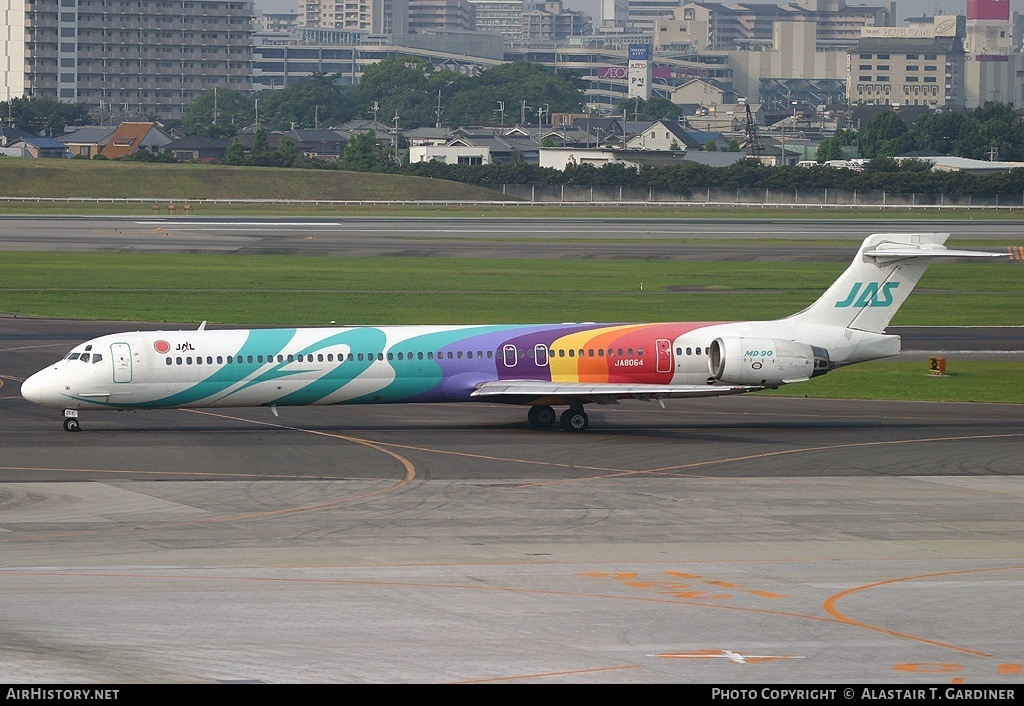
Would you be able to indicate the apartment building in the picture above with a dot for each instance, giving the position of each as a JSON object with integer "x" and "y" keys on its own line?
{"x": 126, "y": 57}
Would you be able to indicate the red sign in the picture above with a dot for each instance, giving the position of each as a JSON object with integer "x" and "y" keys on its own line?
{"x": 988, "y": 10}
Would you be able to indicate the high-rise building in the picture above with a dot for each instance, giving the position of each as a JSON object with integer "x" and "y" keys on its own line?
{"x": 440, "y": 14}
{"x": 551, "y": 22}
{"x": 364, "y": 15}
{"x": 707, "y": 26}
{"x": 138, "y": 58}
{"x": 993, "y": 71}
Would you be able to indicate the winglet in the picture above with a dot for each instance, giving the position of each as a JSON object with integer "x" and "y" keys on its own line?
{"x": 202, "y": 327}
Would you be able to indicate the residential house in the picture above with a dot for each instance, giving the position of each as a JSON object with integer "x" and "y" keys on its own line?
{"x": 664, "y": 135}
{"x": 36, "y": 147}
{"x": 197, "y": 147}
{"x": 130, "y": 137}
{"x": 88, "y": 141}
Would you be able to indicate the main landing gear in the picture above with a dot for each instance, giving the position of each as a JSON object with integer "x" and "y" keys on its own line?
{"x": 542, "y": 416}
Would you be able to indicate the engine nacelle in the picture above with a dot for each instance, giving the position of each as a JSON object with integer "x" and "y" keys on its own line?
{"x": 765, "y": 361}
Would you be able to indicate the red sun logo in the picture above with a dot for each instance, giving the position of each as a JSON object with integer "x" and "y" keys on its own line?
{"x": 162, "y": 346}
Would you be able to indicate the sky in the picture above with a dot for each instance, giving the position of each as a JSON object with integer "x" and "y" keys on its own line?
{"x": 904, "y": 8}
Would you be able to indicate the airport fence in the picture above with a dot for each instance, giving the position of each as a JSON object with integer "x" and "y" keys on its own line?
{"x": 754, "y": 197}
{"x": 527, "y": 195}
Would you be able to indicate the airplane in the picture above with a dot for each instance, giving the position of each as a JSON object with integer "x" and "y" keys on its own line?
{"x": 542, "y": 366}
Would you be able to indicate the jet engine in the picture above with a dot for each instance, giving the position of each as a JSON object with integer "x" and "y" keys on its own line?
{"x": 764, "y": 361}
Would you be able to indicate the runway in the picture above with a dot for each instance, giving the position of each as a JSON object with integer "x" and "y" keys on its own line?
{"x": 516, "y": 237}
{"x": 747, "y": 540}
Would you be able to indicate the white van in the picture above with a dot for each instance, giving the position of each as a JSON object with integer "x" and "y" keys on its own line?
{"x": 808, "y": 163}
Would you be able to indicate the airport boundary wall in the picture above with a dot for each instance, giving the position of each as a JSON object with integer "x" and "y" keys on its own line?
{"x": 745, "y": 196}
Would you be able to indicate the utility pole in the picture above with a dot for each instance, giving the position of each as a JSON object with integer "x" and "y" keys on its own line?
{"x": 501, "y": 112}
{"x": 214, "y": 105}
{"x": 438, "y": 108}
{"x": 522, "y": 115}
{"x": 397, "y": 160}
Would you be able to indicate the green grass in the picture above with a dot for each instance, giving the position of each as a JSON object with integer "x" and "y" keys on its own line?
{"x": 159, "y": 183}
{"x": 48, "y": 178}
{"x": 903, "y": 379}
{"x": 267, "y": 290}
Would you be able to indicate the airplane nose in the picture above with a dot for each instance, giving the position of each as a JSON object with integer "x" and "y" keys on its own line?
{"x": 32, "y": 389}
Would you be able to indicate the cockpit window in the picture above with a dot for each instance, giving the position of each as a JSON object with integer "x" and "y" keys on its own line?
{"x": 85, "y": 358}
{"x": 74, "y": 356}
{"x": 97, "y": 358}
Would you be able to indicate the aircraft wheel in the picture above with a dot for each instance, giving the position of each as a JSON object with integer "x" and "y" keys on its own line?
{"x": 541, "y": 416}
{"x": 71, "y": 425}
{"x": 574, "y": 420}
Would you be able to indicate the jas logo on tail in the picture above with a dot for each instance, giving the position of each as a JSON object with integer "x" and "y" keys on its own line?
{"x": 869, "y": 294}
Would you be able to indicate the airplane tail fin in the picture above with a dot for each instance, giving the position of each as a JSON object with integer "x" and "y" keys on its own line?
{"x": 880, "y": 278}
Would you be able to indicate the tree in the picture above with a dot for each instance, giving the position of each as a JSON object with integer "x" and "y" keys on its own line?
{"x": 364, "y": 153}
{"x": 286, "y": 152}
{"x": 308, "y": 103}
{"x": 939, "y": 132}
{"x": 259, "y": 155}
{"x": 235, "y": 154}
{"x": 828, "y": 149}
{"x": 885, "y": 135}
{"x": 218, "y": 113}
{"x": 993, "y": 130}
{"x": 657, "y": 108}
{"x": 43, "y": 115}
{"x": 521, "y": 87}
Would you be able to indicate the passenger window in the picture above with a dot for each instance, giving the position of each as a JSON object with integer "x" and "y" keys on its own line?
{"x": 169, "y": 361}
{"x": 248, "y": 359}
{"x": 188, "y": 360}
{"x": 689, "y": 350}
{"x": 319, "y": 357}
{"x": 640, "y": 351}
{"x": 572, "y": 353}
{"x": 697, "y": 349}
{"x": 419, "y": 355}
{"x": 209, "y": 360}
{"x": 178, "y": 360}
{"x": 430, "y": 355}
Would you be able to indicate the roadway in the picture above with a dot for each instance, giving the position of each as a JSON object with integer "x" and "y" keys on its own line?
{"x": 748, "y": 540}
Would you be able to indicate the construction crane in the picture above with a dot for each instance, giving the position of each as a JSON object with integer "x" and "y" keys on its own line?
{"x": 752, "y": 142}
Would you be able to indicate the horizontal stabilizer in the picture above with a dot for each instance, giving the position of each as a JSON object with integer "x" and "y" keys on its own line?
{"x": 890, "y": 252}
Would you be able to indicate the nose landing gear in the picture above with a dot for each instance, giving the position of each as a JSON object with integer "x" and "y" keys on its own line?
{"x": 71, "y": 420}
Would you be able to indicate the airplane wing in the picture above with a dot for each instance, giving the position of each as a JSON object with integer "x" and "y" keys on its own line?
{"x": 543, "y": 392}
